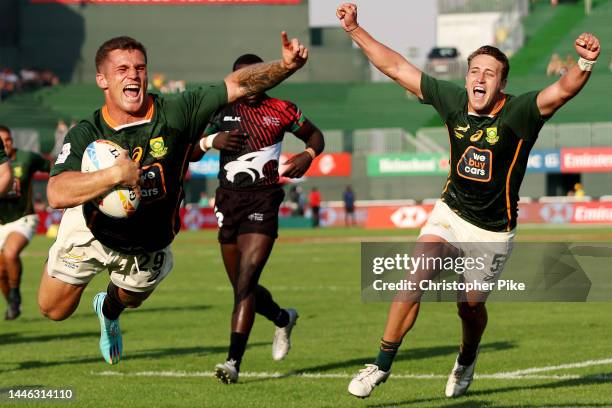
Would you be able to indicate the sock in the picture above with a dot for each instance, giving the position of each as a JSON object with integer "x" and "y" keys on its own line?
{"x": 267, "y": 307}
{"x": 112, "y": 306}
{"x": 467, "y": 354}
{"x": 282, "y": 319}
{"x": 238, "y": 342}
{"x": 387, "y": 353}
{"x": 14, "y": 295}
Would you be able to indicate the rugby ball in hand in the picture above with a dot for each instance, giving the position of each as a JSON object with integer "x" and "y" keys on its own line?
{"x": 119, "y": 202}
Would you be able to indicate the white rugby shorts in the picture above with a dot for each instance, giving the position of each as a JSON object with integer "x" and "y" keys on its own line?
{"x": 25, "y": 226}
{"x": 493, "y": 248}
{"x": 77, "y": 256}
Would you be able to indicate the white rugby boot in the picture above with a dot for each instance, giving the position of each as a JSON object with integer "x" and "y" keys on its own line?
{"x": 227, "y": 372}
{"x": 460, "y": 378}
{"x": 364, "y": 382}
{"x": 282, "y": 337}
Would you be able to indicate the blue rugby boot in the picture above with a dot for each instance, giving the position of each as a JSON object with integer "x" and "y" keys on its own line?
{"x": 111, "y": 346}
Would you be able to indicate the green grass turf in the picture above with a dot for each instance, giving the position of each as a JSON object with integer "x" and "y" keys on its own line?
{"x": 184, "y": 327}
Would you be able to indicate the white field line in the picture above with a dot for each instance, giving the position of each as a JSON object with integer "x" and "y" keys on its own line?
{"x": 250, "y": 374}
{"x": 206, "y": 374}
{"x": 331, "y": 288}
{"x": 526, "y": 374}
{"x": 588, "y": 363}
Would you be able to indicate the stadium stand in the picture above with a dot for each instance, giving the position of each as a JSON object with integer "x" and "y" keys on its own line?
{"x": 476, "y": 6}
{"x": 334, "y": 142}
{"x": 350, "y": 107}
{"x": 387, "y": 140}
{"x": 436, "y": 139}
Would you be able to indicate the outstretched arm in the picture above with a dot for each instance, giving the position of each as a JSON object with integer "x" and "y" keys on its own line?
{"x": 257, "y": 78}
{"x": 384, "y": 58}
{"x": 556, "y": 95}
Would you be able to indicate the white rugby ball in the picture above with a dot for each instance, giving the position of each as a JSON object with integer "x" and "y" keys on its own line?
{"x": 121, "y": 201}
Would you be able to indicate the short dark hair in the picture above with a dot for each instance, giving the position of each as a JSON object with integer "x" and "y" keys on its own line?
{"x": 5, "y": 129}
{"x": 246, "y": 59}
{"x": 118, "y": 43}
{"x": 495, "y": 53}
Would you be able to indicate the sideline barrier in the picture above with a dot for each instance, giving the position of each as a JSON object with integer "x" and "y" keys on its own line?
{"x": 414, "y": 216}
{"x": 378, "y": 215}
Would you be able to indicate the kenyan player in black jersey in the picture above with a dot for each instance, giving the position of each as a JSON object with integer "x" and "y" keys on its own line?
{"x": 247, "y": 204}
{"x": 158, "y": 134}
{"x": 490, "y": 135}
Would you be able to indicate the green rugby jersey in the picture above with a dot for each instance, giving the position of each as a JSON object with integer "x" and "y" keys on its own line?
{"x": 488, "y": 156}
{"x": 162, "y": 143}
{"x": 18, "y": 200}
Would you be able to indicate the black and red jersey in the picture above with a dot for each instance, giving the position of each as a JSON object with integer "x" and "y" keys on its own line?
{"x": 265, "y": 124}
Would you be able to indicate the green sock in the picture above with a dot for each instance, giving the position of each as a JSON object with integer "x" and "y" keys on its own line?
{"x": 388, "y": 350}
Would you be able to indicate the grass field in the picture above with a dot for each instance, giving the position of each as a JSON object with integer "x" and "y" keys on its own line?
{"x": 533, "y": 354}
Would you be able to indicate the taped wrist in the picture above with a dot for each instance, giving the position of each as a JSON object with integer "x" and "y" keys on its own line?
{"x": 311, "y": 152}
{"x": 206, "y": 143}
{"x": 585, "y": 64}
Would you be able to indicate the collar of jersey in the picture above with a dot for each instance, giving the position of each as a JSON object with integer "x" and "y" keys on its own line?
{"x": 113, "y": 125}
{"x": 498, "y": 107}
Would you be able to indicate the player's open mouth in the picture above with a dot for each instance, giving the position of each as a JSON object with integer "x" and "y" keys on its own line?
{"x": 131, "y": 91}
{"x": 479, "y": 92}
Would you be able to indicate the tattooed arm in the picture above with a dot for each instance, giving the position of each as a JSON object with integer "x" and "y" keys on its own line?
{"x": 257, "y": 78}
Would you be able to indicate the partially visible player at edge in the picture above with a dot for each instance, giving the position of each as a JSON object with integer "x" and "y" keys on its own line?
{"x": 475, "y": 206}
{"x": 6, "y": 174}
{"x": 246, "y": 206}
{"x": 158, "y": 134}
{"x": 18, "y": 221}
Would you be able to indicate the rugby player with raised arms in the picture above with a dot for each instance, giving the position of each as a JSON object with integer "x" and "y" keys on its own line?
{"x": 490, "y": 134}
{"x": 158, "y": 134}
